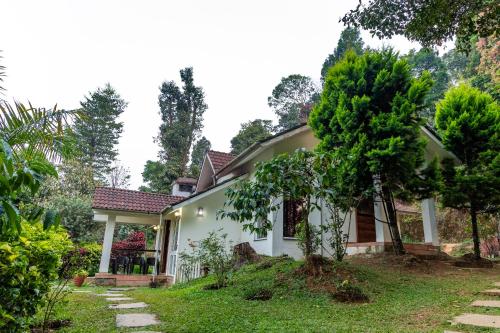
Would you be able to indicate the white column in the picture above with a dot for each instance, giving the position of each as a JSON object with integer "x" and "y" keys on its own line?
{"x": 159, "y": 235}
{"x": 429, "y": 219}
{"x": 381, "y": 227}
{"x": 107, "y": 243}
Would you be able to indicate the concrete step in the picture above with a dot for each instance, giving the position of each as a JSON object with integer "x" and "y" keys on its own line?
{"x": 488, "y": 303}
{"x": 480, "y": 320}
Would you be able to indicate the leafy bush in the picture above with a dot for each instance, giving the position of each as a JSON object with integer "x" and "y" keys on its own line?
{"x": 93, "y": 257}
{"x": 215, "y": 254}
{"x": 76, "y": 216}
{"x": 136, "y": 241}
{"x": 86, "y": 257}
{"x": 28, "y": 264}
{"x": 258, "y": 293}
{"x": 347, "y": 292}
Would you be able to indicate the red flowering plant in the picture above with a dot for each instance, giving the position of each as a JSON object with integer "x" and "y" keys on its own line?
{"x": 134, "y": 243}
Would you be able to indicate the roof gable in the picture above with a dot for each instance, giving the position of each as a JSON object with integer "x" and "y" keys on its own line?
{"x": 219, "y": 159}
{"x": 133, "y": 201}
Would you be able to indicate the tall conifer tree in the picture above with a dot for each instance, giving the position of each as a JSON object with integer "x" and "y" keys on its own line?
{"x": 181, "y": 111}
{"x": 368, "y": 118}
{"x": 98, "y": 131}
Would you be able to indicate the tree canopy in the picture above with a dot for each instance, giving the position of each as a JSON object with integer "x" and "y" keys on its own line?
{"x": 98, "y": 131}
{"x": 429, "y": 60}
{"x": 468, "y": 121}
{"x": 350, "y": 39}
{"x": 368, "y": 117}
{"x": 428, "y": 22}
{"x": 181, "y": 111}
{"x": 249, "y": 133}
{"x": 200, "y": 149}
{"x": 292, "y": 100}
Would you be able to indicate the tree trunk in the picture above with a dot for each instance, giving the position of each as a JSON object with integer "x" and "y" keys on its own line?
{"x": 392, "y": 221}
{"x": 307, "y": 230}
{"x": 475, "y": 231}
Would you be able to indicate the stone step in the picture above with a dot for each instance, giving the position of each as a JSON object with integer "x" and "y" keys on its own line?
{"x": 137, "y": 305}
{"x": 120, "y": 289}
{"x": 119, "y": 299}
{"x": 478, "y": 320}
{"x": 136, "y": 320}
{"x": 110, "y": 295}
{"x": 491, "y": 292}
{"x": 488, "y": 303}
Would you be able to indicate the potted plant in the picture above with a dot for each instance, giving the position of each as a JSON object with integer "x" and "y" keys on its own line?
{"x": 80, "y": 277}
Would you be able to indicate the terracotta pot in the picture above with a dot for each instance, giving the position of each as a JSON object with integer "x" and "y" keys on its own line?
{"x": 78, "y": 280}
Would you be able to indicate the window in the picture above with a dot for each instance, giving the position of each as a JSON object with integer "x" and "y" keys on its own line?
{"x": 185, "y": 188}
{"x": 292, "y": 211}
{"x": 263, "y": 233}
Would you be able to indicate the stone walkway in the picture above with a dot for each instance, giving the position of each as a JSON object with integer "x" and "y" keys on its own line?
{"x": 132, "y": 320}
{"x": 481, "y": 320}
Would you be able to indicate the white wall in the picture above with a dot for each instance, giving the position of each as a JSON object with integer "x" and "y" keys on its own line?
{"x": 196, "y": 228}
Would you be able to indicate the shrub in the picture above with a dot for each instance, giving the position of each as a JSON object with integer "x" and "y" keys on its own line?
{"x": 215, "y": 253}
{"x": 347, "y": 292}
{"x": 258, "y": 293}
{"x": 93, "y": 257}
{"x": 27, "y": 266}
{"x": 135, "y": 241}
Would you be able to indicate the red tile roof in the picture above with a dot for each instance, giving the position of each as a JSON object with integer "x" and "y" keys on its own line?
{"x": 132, "y": 201}
{"x": 186, "y": 180}
{"x": 219, "y": 159}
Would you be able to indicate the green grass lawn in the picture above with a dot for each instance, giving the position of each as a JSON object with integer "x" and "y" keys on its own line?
{"x": 418, "y": 299}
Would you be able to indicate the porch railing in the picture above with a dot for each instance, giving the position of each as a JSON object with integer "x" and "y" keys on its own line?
{"x": 186, "y": 273}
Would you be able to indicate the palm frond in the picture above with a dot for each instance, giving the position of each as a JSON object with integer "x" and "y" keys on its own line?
{"x": 2, "y": 74}
{"x": 36, "y": 131}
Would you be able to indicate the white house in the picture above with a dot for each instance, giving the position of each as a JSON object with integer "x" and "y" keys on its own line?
{"x": 180, "y": 220}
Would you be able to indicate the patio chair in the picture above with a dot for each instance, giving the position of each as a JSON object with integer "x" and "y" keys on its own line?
{"x": 149, "y": 262}
{"x": 121, "y": 261}
{"x": 136, "y": 261}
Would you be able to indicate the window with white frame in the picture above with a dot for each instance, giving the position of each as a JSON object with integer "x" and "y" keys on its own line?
{"x": 262, "y": 233}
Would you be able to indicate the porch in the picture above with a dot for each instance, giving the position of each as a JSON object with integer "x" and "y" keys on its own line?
{"x": 137, "y": 265}
{"x": 372, "y": 234}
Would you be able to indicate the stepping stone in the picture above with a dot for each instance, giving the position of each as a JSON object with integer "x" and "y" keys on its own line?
{"x": 81, "y": 291}
{"x": 119, "y": 299}
{"x": 491, "y": 292}
{"x": 120, "y": 289}
{"x": 491, "y": 304}
{"x": 135, "y": 320}
{"x": 478, "y": 320}
{"x": 128, "y": 305}
{"x": 497, "y": 284}
{"x": 110, "y": 295}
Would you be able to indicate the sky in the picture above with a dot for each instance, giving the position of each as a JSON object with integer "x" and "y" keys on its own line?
{"x": 57, "y": 51}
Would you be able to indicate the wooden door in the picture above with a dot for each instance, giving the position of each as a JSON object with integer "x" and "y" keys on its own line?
{"x": 164, "y": 249}
{"x": 365, "y": 222}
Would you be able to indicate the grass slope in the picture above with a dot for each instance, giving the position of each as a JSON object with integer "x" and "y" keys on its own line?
{"x": 417, "y": 299}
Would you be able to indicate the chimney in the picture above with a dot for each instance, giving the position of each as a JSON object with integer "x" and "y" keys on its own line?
{"x": 184, "y": 186}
